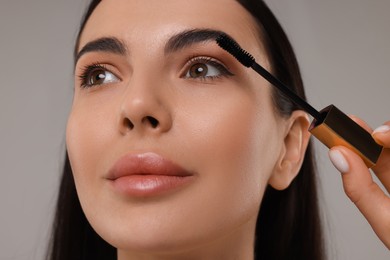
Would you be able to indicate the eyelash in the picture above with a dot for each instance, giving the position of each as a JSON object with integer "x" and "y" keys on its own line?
{"x": 209, "y": 61}
{"x": 224, "y": 72}
{"x": 86, "y": 73}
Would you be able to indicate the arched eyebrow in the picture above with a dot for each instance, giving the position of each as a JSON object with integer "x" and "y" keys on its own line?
{"x": 105, "y": 44}
{"x": 177, "y": 42}
{"x": 190, "y": 37}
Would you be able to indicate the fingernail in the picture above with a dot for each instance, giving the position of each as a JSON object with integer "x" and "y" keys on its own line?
{"x": 339, "y": 161}
{"x": 382, "y": 129}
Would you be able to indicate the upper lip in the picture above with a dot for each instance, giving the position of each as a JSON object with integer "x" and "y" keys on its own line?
{"x": 145, "y": 164}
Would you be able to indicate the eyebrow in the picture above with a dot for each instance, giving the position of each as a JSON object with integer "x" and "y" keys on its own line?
{"x": 177, "y": 42}
{"x": 190, "y": 37}
{"x": 105, "y": 44}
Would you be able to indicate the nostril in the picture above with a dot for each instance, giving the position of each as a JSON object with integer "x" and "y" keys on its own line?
{"x": 153, "y": 121}
{"x": 128, "y": 124}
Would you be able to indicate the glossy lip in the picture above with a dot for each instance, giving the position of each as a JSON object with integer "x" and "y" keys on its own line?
{"x": 147, "y": 174}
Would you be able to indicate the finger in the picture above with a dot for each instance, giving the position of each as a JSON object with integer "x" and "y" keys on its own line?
{"x": 362, "y": 123}
{"x": 382, "y": 168}
{"x": 382, "y": 134}
{"x": 363, "y": 191}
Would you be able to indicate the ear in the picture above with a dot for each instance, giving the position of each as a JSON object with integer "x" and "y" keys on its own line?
{"x": 296, "y": 139}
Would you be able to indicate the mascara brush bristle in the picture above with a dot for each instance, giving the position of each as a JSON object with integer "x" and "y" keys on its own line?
{"x": 231, "y": 46}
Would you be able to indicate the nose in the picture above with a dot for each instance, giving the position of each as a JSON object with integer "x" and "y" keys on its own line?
{"x": 145, "y": 108}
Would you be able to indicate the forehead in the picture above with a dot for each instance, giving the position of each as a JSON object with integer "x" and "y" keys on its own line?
{"x": 153, "y": 21}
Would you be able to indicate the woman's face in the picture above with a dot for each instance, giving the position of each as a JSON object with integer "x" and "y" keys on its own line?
{"x": 171, "y": 140}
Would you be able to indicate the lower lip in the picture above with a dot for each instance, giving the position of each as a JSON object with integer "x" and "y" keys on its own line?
{"x": 149, "y": 185}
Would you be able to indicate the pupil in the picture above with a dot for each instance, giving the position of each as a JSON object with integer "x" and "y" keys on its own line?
{"x": 98, "y": 77}
{"x": 198, "y": 70}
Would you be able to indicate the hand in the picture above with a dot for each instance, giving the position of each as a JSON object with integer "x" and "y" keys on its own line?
{"x": 371, "y": 200}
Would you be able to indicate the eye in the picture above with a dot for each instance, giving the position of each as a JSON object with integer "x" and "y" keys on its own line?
{"x": 206, "y": 68}
{"x": 202, "y": 70}
{"x": 95, "y": 75}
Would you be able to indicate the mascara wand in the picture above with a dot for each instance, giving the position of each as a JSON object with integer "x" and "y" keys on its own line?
{"x": 330, "y": 125}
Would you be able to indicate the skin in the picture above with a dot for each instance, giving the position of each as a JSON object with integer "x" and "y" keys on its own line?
{"x": 359, "y": 186}
{"x": 223, "y": 129}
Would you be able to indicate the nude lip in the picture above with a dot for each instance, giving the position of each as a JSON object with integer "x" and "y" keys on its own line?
{"x": 146, "y": 175}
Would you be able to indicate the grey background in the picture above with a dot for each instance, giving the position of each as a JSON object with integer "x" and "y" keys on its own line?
{"x": 343, "y": 49}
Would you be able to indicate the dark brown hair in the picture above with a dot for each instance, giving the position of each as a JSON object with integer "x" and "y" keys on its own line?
{"x": 288, "y": 225}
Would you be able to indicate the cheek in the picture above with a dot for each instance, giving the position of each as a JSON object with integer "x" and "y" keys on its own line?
{"x": 237, "y": 130}
{"x": 233, "y": 143}
{"x": 88, "y": 137}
